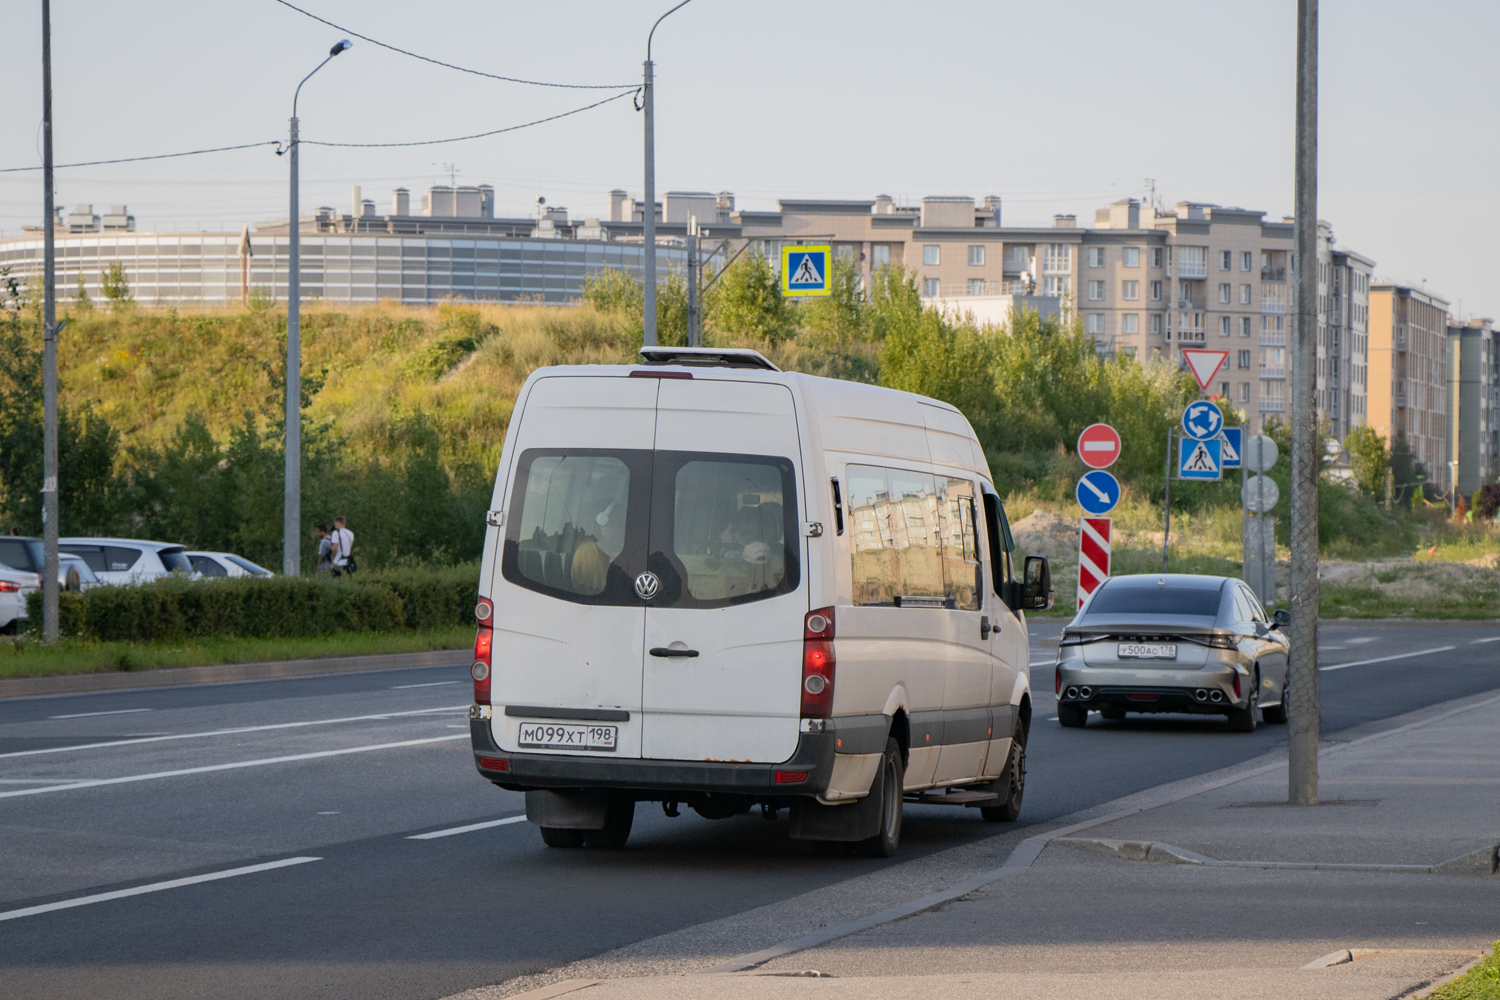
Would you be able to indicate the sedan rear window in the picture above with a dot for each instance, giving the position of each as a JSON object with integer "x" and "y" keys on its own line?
{"x": 1194, "y": 601}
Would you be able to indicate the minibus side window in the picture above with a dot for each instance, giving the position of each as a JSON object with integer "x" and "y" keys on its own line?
{"x": 998, "y": 532}
{"x": 962, "y": 583}
{"x": 874, "y": 560}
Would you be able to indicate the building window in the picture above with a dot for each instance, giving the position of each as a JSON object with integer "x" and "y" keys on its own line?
{"x": 1132, "y": 256}
{"x": 1057, "y": 258}
{"x": 1019, "y": 257}
{"x": 1244, "y": 392}
{"x": 1245, "y": 359}
{"x": 931, "y": 255}
{"x": 1224, "y": 389}
{"x": 1158, "y": 256}
{"x": 1156, "y": 291}
{"x": 1225, "y": 291}
{"x": 1130, "y": 323}
{"x": 1244, "y": 326}
{"x": 1224, "y": 258}
{"x": 1244, "y": 295}
{"x": 1094, "y": 324}
{"x": 1129, "y": 350}
{"x": 1245, "y": 258}
{"x": 1096, "y": 291}
{"x": 1096, "y": 256}
{"x": 1130, "y": 291}
{"x": 1224, "y": 322}
{"x": 976, "y": 256}
{"x": 976, "y": 286}
{"x": 1057, "y": 285}
{"x": 1156, "y": 323}
{"x": 881, "y": 256}
{"x": 930, "y": 287}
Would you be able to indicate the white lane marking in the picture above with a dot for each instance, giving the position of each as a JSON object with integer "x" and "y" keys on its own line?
{"x": 1493, "y": 638}
{"x": 429, "y": 684}
{"x": 37, "y": 781}
{"x": 1387, "y": 659}
{"x": 130, "y": 778}
{"x": 1052, "y": 719}
{"x": 452, "y": 831}
{"x": 175, "y": 883}
{"x": 1325, "y": 649}
{"x": 1362, "y": 639}
{"x": 90, "y": 715}
{"x": 234, "y": 732}
{"x": 1042, "y": 663}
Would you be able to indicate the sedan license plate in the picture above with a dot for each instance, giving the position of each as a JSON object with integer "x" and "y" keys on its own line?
{"x": 567, "y": 736}
{"x": 1147, "y": 651}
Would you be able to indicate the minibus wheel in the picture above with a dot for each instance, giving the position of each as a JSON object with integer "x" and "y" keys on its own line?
{"x": 892, "y": 778}
{"x": 617, "y": 823}
{"x": 1012, "y": 785}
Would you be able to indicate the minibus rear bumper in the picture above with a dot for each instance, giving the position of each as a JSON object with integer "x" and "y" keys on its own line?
{"x": 806, "y": 772}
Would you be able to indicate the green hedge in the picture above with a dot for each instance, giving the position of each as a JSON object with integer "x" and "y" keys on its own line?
{"x": 279, "y": 607}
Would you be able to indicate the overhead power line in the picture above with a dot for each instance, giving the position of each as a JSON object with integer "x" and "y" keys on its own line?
{"x": 138, "y": 159}
{"x": 461, "y": 138}
{"x": 445, "y": 65}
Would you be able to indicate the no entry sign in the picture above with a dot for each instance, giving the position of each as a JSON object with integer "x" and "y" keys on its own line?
{"x": 1099, "y": 446}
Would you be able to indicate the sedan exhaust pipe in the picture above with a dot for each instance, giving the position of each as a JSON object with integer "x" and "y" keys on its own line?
{"x": 1216, "y": 696}
{"x": 1201, "y": 694}
{"x": 1072, "y": 692}
{"x": 1085, "y": 692}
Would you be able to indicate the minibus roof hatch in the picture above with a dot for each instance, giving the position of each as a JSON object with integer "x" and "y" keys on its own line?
{"x": 707, "y": 357}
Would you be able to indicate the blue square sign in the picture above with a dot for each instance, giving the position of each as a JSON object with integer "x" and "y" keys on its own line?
{"x": 1233, "y": 437}
{"x": 1200, "y": 459}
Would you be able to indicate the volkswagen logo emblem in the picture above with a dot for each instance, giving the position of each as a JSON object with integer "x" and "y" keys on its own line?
{"x": 647, "y": 586}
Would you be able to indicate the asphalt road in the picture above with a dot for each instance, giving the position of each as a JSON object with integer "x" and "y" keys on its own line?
{"x": 319, "y": 785}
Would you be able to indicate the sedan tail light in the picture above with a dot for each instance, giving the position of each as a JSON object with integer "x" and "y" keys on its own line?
{"x": 817, "y": 664}
{"x": 9, "y": 587}
{"x": 484, "y": 640}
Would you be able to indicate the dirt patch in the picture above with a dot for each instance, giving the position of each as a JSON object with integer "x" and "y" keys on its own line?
{"x": 1412, "y": 579}
{"x": 1042, "y": 533}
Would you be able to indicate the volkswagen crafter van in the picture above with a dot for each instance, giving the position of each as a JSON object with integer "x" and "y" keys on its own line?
{"x": 708, "y": 582}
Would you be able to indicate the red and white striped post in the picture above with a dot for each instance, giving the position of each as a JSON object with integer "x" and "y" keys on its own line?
{"x": 1093, "y": 555}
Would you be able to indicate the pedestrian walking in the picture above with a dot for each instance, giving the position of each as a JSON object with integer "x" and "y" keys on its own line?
{"x": 343, "y": 548}
{"x": 325, "y": 551}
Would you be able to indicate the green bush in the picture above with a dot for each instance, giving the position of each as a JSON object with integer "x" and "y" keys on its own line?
{"x": 280, "y": 607}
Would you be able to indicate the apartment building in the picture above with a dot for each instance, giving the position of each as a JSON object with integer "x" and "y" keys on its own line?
{"x": 1473, "y": 403}
{"x": 1408, "y": 372}
{"x": 1343, "y": 335}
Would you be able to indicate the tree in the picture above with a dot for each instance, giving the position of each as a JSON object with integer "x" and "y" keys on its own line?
{"x": 745, "y": 303}
{"x": 616, "y": 290}
{"x": 1369, "y": 460}
{"x": 841, "y": 316}
{"x": 116, "y": 287}
{"x": 1403, "y": 466}
{"x": 84, "y": 303}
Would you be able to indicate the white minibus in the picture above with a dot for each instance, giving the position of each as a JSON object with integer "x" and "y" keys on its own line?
{"x": 712, "y": 583}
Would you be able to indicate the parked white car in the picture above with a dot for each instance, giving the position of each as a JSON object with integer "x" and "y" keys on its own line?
{"x": 212, "y": 564}
{"x": 14, "y": 586}
{"x": 128, "y": 560}
{"x": 712, "y": 583}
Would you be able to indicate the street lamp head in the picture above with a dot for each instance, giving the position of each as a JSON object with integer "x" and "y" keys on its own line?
{"x": 340, "y": 47}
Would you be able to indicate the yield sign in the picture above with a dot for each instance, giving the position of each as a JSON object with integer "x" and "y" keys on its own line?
{"x": 1099, "y": 446}
{"x": 1204, "y": 364}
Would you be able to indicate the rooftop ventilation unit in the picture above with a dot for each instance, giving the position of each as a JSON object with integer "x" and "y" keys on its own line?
{"x": 707, "y": 357}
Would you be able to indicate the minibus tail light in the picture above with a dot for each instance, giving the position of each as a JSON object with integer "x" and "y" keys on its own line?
{"x": 484, "y": 640}
{"x": 817, "y": 664}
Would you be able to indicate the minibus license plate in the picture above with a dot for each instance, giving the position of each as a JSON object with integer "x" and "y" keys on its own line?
{"x": 565, "y": 736}
{"x": 1147, "y": 651}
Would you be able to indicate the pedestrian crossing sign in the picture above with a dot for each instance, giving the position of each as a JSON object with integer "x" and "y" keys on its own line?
{"x": 804, "y": 271}
{"x": 1200, "y": 459}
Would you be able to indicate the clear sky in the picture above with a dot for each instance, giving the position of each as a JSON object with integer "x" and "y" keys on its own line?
{"x": 1055, "y": 107}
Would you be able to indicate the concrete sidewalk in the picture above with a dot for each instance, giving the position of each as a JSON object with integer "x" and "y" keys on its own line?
{"x": 1386, "y": 888}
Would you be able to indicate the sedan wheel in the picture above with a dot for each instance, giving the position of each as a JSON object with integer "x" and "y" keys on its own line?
{"x": 1276, "y": 715}
{"x": 1244, "y": 720}
{"x": 1072, "y": 716}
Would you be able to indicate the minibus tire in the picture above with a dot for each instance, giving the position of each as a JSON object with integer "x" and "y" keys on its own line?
{"x": 1009, "y": 809}
{"x": 556, "y": 836}
{"x": 617, "y": 823}
{"x": 892, "y": 777}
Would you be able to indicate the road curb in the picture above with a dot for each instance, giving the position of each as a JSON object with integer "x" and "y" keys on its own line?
{"x": 224, "y": 673}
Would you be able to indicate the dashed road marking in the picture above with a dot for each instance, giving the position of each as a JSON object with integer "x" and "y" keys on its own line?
{"x": 1493, "y": 638}
{"x": 234, "y": 765}
{"x": 453, "y": 831}
{"x": 234, "y": 732}
{"x": 1387, "y": 659}
{"x": 429, "y": 684}
{"x": 90, "y": 715}
{"x": 176, "y": 883}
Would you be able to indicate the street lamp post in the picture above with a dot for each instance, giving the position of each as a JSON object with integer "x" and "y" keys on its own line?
{"x": 50, "y": 326}
{"x": 648, "y": 216}
{"x": 291, "y": 525}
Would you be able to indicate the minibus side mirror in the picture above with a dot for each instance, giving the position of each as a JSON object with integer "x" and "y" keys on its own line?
{"x": 1036, "y": 594}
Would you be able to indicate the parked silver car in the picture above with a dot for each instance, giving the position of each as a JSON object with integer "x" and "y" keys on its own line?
{"x": 128, "y": 560}
{"x": 212, "y": 564}
{"x": 1173, "y": 643}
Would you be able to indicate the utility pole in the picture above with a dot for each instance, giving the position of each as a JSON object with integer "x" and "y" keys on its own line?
{"x": 50, "y": 626}
{"x": 1302, "y": 674}
{"x": 648, "y": 217}
{"x": 694, "y": 336}
{"x": 291, "y": 523}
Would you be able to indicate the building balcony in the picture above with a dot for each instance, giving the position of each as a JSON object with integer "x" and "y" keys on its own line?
{"x": 1273, "y": 371}
{"x": 1401, "y": 395}
{"x": 1273, "y": 274}
{"x": 1186, "y": 270}
{"x": 1401, "y": 342}
{"x": 1273, "y": 307}
{"x": 1273, "y": 340}
{"x": 1273, "y": 406}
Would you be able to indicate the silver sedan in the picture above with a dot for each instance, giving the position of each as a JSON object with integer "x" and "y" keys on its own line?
{"x": 1173, "y": 643}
